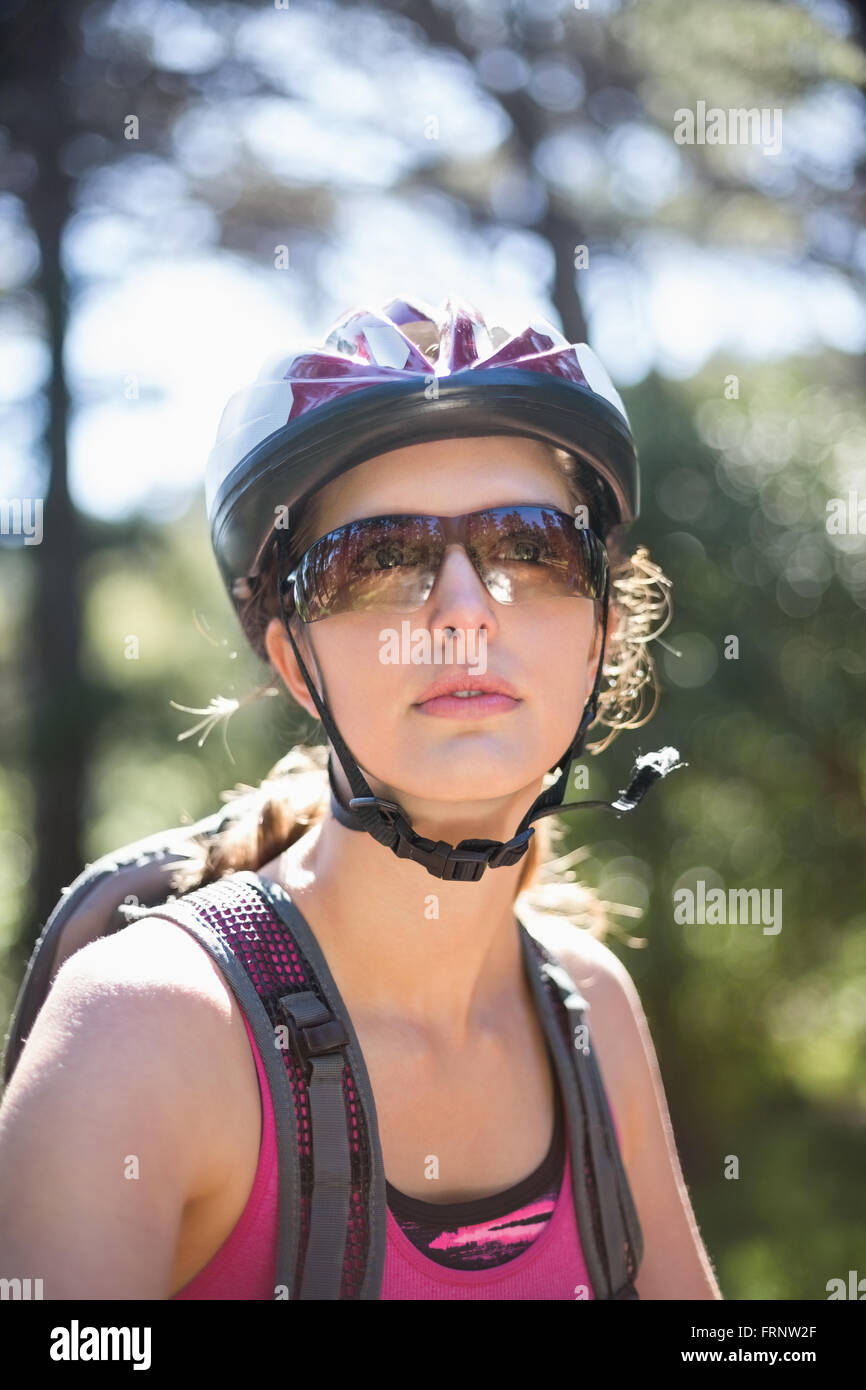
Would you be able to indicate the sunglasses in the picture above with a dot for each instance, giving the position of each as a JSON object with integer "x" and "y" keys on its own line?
{"x": 389, "y": 564}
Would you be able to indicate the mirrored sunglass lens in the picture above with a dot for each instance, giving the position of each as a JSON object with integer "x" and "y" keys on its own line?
{"x": 536, "y": 552}
{"x": 385, "y": 564}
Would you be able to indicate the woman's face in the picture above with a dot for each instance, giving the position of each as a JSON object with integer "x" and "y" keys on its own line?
{"x": 545, "y": 648}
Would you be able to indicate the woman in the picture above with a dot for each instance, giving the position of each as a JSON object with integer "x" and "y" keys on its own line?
{"x": 394, "y": 507}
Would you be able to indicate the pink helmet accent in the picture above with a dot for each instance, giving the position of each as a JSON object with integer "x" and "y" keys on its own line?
{"x": 370, "y": 349}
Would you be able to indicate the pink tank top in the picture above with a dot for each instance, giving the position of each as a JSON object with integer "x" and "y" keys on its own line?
{"x": 244, "y": 1267}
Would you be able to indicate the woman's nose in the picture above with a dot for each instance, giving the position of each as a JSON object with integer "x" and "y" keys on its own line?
{"x": 459, "y": 597}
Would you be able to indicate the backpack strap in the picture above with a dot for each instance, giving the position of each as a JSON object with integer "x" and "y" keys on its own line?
{"x": 319, "y": 1040}
{"x": 332, "y": 1201}
{"x": 348, "y": 1155}
{"x": 610, "y": 1232}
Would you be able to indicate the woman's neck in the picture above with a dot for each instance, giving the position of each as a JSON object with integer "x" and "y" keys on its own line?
{"x": 443, "y": 957}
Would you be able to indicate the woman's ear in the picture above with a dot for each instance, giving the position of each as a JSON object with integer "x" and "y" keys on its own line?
{"x": 284, "y": 661}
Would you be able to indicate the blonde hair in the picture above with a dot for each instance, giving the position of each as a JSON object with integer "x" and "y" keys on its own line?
{"x": 295, "y": 793}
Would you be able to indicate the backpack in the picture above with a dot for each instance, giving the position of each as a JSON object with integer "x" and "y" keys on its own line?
{"x": 332, "y": 1200}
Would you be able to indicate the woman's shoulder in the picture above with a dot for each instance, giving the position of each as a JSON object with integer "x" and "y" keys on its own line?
{"x": 135, "y": 1057}
{"x": 153, "y": 980}
{"x": 596, "y": 970}
{"x": 153, "y": 955}
{"x": 153, "y": 983}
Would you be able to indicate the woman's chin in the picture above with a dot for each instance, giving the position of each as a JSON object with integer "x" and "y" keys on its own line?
{"x": 465, "y": 806}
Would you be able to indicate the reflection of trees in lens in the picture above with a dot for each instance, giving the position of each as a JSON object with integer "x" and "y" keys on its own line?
{"x": 390, "y": 562}
{"x": 550, "y": 573}
{"x": 527, "y": 549}
{"x": 501, "y": 534}
{"x": 372, "y": 563}
{"x": 576, "y": 554}
{"x": 322, "y": 571}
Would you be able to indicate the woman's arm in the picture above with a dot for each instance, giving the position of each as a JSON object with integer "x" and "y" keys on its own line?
{"x": 675, "y": 1264}
{"x": 105, "y": 1129}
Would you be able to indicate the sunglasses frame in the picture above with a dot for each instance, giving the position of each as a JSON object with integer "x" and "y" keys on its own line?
{"x": 454, "y": 530}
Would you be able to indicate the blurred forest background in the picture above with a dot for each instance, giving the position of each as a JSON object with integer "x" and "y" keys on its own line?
{"x": 156, "y": 156}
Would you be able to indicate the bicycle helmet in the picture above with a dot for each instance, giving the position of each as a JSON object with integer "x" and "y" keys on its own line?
{"x": 379, "y": 381}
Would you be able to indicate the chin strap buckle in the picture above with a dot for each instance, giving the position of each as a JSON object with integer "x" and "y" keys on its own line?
{"x": 464, "y": 862}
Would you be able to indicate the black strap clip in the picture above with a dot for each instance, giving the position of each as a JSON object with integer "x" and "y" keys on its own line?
{"x": 313, "y": 1029}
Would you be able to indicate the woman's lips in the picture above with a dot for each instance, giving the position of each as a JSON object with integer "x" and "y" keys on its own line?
{"x": 468, "y": 706}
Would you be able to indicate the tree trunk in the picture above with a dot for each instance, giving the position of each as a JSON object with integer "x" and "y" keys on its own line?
{"x": 60, "y": 732}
